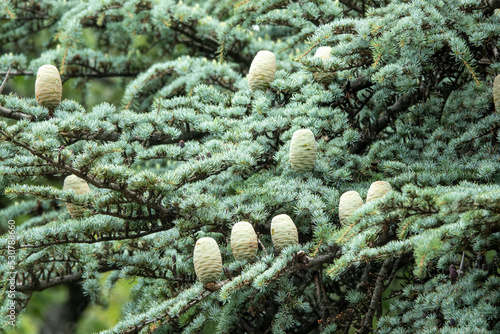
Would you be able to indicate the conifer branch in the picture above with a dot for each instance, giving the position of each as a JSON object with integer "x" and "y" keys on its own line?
{"x": 45, "y": 284}
{"x": 166, "y": 318}
{"x": 17, "y": 115}
{"x": 60, "y": 278}
{"x": 398, "y": 88}
{"x": 156, "y": 138}
{"x": 4, "y": 80}
{"x": 376, "y": 297}
{"x": 96, "y": 74}
{"x": 353, "y": 5}
{"x": 312, "y": 262}
{"x": 371, "y": 132}
{"x": 137, "y": 198}
{"x": 123, "y": 234}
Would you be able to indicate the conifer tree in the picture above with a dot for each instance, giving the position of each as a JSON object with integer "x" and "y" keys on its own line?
{"x": 404, "y": 96}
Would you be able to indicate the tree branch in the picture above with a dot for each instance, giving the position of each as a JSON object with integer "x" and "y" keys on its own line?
{"x": 4, "y": 80}
{"x": 156, "y": 138}
{"x": 366, "y": 326}
{"x": 371, "y": 132}
{"x": 96, "y": 75}
{"x": 137, "y": 198}
{"x": 17, "y": 115}
{"x": 40, "y": 285}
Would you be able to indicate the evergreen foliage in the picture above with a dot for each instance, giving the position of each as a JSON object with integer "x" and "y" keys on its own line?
{"x": 404, "y": 96}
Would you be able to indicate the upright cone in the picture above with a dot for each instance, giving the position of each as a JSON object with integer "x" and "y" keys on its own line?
{"x": 324, "y": 53}
{"x": 283, "y": 232}
{"x": 79, "y": 186}
{"x": 48, "y": 87}
{"x": 262, "y": 70}
{"x": 496, "y": 93}
{"x": 349, "y": 202}
{"x": 303, "y": 151}
{"x": 207, "y": 260}
{"x": 377, "y": 190}
{"x": 243, "y": 241}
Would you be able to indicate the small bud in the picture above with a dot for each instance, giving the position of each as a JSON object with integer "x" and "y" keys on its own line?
{"x": 197, "y": 157}
{"x": 209, "y": 155}
{"x": 174, "y": 259}
{"x": 453, "y": 273}
{"x": 202, "y": 157}
{"x": 484, "y": 267}
{"x": 452, "y": 322}
{"x": 182, "y": 144}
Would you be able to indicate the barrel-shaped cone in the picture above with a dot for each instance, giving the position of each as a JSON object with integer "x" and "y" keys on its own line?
{"x": 377, "y": 190}
{"x": 243, "y": 241}
{"x": 324, "y": 53}
{"x": 79, "y": 186}
{"x": 283, "y": 232}
{"x": 349, "y": 202}
{"x": 207, "y": 260}
{"x": 48, "y": 87}
{"x": 303, "y": 151}
{"x": 262, "y": 70}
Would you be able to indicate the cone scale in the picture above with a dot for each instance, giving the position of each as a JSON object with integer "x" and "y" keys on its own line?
{"x": 303, "y": 151}
{"x": 48, "y": 87}
{"x": 262, "y": 70}
{"x": 283, "y": 232}
{"x": 79, "y": 186}
{"x": 207, "y": 260}
{"x": 243, "y": 241}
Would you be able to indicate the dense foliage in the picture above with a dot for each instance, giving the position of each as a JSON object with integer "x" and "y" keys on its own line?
{"x": 405, "y": 96}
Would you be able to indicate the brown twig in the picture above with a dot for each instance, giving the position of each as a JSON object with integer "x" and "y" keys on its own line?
{"x": 322, "y": 307}
{"x": 261, "y": 245}
{"x": 4, "y": 81}
{"x": 366, "y": 326}
{"x": 17, "y": 115}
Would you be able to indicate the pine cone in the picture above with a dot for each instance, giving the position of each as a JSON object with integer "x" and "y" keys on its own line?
{"x": 303, "y": 151}
{"x": 377, "y": 190}
{"x": 349, "y": 202}
{"x": 324, "y": 53}
{"x": 262, "y": 70}
{"x": 243, "y": 241}
{"x": 48, "y": 87}
{"x": 79, "y": 186}
{"x": 496, "y": 93}
{"x": 283, "y": 232}
{"x": 207, "y": 260}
